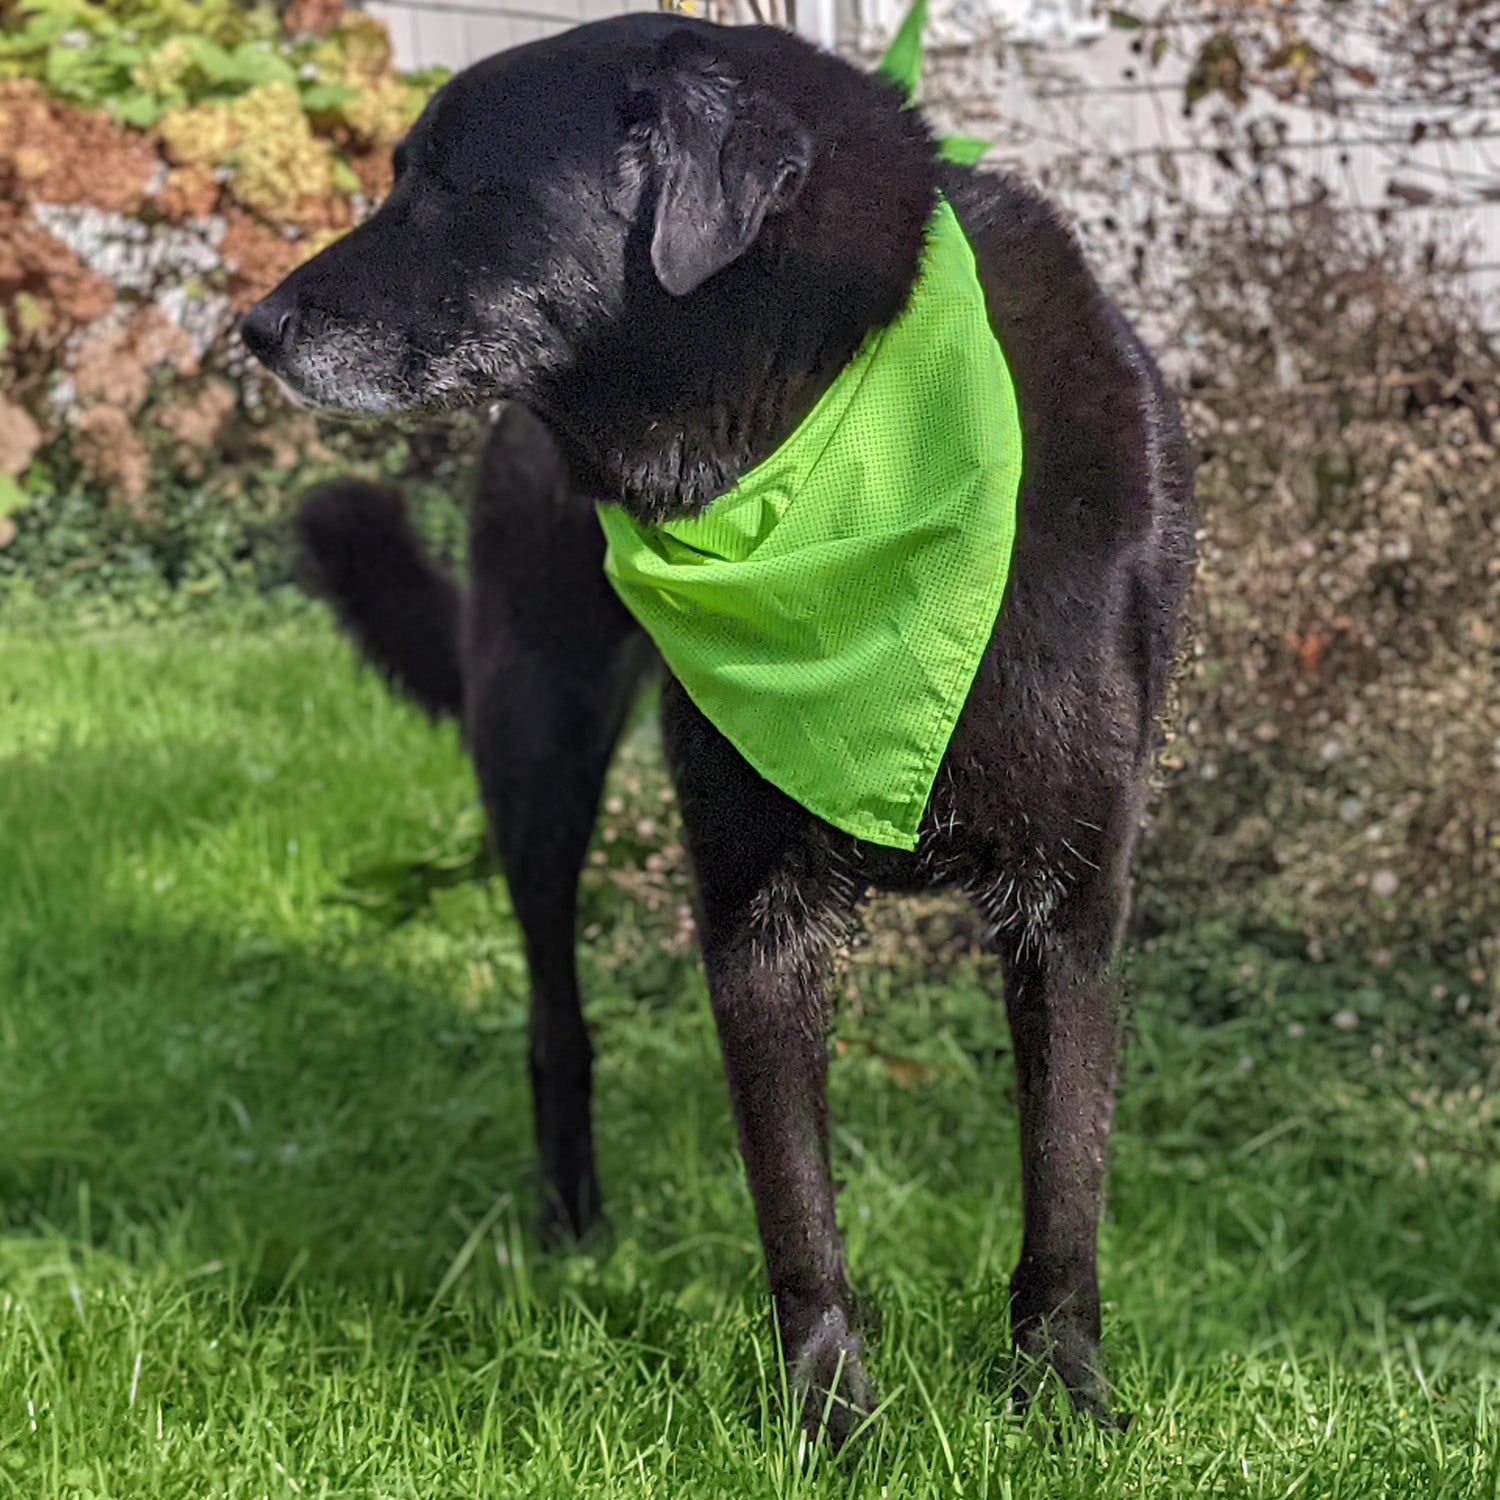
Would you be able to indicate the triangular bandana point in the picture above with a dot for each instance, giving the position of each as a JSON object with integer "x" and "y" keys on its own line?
{"x": 829, "y": 613}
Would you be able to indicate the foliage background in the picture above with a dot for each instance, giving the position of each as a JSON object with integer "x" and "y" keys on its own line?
{"x": 162, "y": 165}
{"x": 1336, "y": 744}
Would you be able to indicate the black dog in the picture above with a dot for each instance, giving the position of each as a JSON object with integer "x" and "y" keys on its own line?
{"x": 665, "y": 239}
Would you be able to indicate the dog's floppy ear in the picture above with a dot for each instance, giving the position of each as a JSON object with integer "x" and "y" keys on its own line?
{"x": 726, "y": 157}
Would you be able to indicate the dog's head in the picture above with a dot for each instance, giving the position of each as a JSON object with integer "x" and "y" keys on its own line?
{"x": 542, "y": 197}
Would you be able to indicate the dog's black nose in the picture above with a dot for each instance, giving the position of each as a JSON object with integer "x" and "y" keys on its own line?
{"x": 269, "y": 327}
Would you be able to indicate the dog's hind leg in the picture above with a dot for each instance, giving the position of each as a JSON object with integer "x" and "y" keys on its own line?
{"x": 774, "y": 901}
{"x": 542, "y": 736}
{"x": 1056, "y": 938}
{"x": 541, "y": 662}
{"x": 552, "y": 664}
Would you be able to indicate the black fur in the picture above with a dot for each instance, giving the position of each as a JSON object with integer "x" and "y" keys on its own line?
{"x": 664, "y": 239}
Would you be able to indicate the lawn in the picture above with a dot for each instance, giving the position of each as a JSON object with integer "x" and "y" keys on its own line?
{"x": 266, "y": 1175}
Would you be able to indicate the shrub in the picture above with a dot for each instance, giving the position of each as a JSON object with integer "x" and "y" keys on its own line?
{"x": 1338, "y": 749}
{"x": 163, "y": 164}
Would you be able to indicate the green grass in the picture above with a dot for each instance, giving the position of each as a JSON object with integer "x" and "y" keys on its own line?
{"x": 266, "y": 1174}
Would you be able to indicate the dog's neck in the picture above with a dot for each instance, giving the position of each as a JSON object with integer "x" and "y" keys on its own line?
{"x": 665, "y": 416}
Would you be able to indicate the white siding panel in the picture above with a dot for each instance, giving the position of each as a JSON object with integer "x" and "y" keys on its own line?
{"x": 454, "y": 33}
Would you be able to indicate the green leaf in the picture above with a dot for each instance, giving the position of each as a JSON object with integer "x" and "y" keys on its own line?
{"x": 398, "y": 890}
{"x": 964, "y": 150}
{"x": 43, "y": 30}
{"x": 19, "y": 48}
{"x": 140, "y": 110}
{"x": 62, "y": 64}
{"x": 247, "y": 64}
{"x": 318, "y": 97}
{"x": 345, "y": 179}
{"x": 12, "y": 496}
{"x": 1124, "y": 20}
{"x": 255, "y": 64}
{"x": 211, "y": 59}
{"x": 428, "y": 80}
{"x": 902, "y": 62}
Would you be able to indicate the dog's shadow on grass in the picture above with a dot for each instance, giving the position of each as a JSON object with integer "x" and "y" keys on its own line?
{"x": 204, "y": 1086}
{"x": 244, "y": 1102}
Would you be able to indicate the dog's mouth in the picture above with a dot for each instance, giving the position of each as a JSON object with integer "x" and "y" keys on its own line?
{"x": 382, "y": 370}
{"x": 347, "y": 376}
{"x": 371, "y": 407}
{"x": 290, "y": 394}
{"x": 349, "y": 403}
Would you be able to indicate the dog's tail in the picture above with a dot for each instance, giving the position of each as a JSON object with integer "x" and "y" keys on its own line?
{"x": 361, "y": 554}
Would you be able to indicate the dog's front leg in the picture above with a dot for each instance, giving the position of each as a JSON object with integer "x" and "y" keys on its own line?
{"x": 769, "y": 1005}
{"x": 771, "y": 904}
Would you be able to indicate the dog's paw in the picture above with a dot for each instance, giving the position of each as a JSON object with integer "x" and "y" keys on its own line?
{"x": 571, "y": 1213}
{"x": 1057, "y": 1352}
{"x": 828, "y": 1379}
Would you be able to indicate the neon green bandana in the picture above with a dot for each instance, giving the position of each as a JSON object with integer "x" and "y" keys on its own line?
{"x": 829, "y": 613}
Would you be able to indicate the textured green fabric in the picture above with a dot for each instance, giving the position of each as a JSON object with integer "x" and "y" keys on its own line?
{"x": 828, "y": 614}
